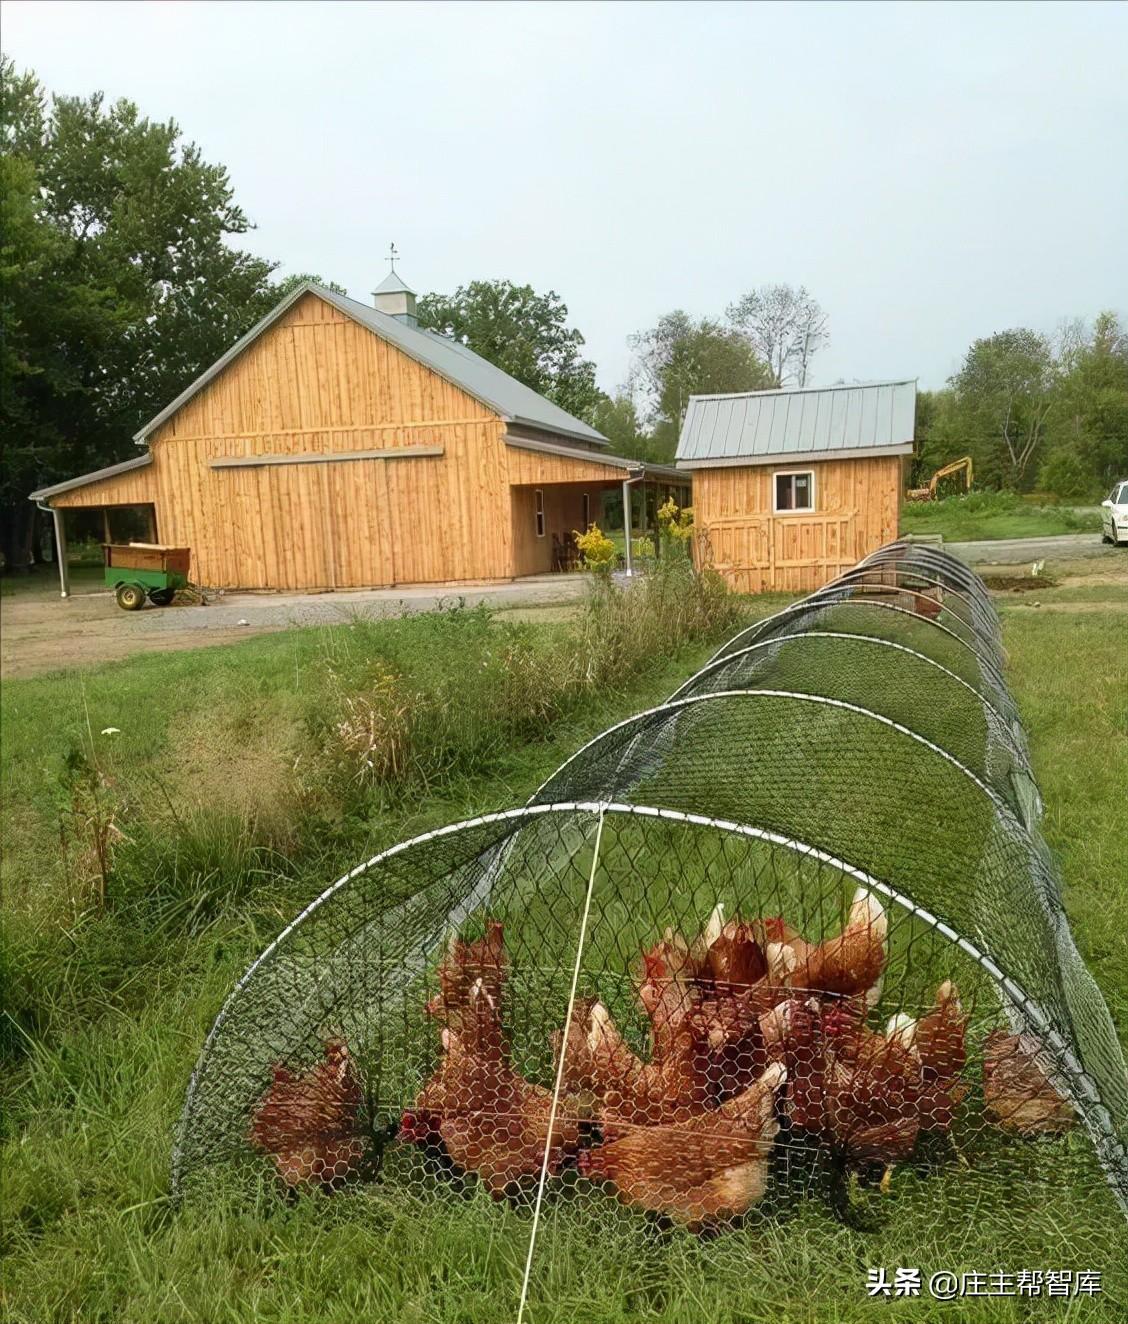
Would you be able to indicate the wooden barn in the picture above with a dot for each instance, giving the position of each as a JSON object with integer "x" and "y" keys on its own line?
{"x": 339, "y": 445}
{"x": 792, "y": 487}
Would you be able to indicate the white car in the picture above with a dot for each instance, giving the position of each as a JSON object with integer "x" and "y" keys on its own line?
{"x": 1114, "y": 515}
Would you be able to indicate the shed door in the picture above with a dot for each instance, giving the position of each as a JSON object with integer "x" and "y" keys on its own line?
{"x": 810, "y": 550}
{"x": 782, "y": 553}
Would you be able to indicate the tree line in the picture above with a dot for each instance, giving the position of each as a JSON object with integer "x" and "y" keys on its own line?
{"x": 1035, "y": 412}
{"x": 122, "y": 280}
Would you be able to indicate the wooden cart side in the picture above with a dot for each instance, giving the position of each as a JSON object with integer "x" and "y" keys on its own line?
{"x": 165, "y": 560}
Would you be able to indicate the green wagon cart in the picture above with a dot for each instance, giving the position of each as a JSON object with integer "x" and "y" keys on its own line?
{"x": 140, "y": 570}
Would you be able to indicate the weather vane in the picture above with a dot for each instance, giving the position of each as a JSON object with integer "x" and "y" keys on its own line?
{"x": 392, "y": 255}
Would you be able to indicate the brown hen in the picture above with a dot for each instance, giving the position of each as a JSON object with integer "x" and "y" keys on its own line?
{"x": 941, "y": 1041}
{"x": 849, "y": 964}
{"x": 490, "y": 1120}
{"x": 873, "y": 1085}
{"x": 1017, "y": 1091}
{"x": 699, "y": 1171}
{"x": 309, "y": 1122}
{"x": 465, "y": 964}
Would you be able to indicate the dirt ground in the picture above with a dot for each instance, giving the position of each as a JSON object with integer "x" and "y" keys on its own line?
{"x": 39, "y": 632}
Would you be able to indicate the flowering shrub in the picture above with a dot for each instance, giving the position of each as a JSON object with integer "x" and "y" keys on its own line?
{"x": 676, "y": 521}
{"x": 598, "y": 551}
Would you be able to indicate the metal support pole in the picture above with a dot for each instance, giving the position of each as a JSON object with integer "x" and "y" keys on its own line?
{"x": 635, "y": 478}
{"x": 627, "y": 522}
{"x": 60, "y": 549}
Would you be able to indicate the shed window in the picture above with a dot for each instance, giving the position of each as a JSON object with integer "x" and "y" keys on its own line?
{"x": 585, "y": 523}
{"x": 794, "y": 490}
{"x": 538, "y": 506}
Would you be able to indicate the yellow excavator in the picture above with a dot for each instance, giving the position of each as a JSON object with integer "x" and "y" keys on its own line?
{"x": 928, "y": 493}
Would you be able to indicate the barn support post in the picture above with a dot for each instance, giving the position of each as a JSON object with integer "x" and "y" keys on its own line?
{"x": 60, "y": 547}
{"x": 634, "y": 478}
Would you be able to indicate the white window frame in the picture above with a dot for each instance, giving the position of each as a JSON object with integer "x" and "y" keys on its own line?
{"x": 538, "y": 510}
{"x": 800, "y": 510}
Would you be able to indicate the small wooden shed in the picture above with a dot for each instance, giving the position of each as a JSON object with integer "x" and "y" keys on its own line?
{"x": 792, "y": 487}
{"x": 341, "y": 445}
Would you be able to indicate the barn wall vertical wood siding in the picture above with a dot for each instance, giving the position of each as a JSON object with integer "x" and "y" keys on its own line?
{"x": 318, "y": 383}
{"x": 857, "y": 508}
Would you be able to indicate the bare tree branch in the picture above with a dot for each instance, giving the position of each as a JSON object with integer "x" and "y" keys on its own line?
{"x": 785, "y": 326}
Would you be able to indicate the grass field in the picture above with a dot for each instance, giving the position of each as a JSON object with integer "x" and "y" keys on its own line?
{"x": 236, "y": 802}
{"x": 986, "y": 515}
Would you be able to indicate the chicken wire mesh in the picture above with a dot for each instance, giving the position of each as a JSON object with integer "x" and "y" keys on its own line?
{"x": 791, "y": 936}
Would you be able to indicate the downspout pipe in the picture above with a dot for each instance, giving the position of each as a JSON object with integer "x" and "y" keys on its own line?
{"x": 60, "y": 546}
{"x": 635, "y": 477}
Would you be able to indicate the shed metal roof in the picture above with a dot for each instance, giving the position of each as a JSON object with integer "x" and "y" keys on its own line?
{"x": 486, "y": 382}
{"x": 827, "y": 422}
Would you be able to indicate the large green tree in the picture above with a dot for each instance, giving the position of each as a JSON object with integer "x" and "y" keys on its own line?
{"x": 616, "y": 416}
{"x": 1088, "y": 432}
{"x": 682, "y": 356}
{"x": 524, "y": 333}
{"x": 1004, "y": 394}
{"x": 120, "y": 284}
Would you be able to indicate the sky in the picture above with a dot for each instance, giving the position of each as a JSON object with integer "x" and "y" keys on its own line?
{"x": 931, "y": 173}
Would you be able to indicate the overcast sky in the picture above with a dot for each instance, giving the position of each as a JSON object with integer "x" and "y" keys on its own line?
{"x": 931, "y": 173}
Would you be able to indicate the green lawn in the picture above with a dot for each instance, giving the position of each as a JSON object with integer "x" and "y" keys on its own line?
{"x": 218, "y": 782}
{"x": 988, "y": 515}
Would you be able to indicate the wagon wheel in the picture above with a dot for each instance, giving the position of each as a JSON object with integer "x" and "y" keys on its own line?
{"x": 162, "y": 597}
{"x": 130, "y": 597}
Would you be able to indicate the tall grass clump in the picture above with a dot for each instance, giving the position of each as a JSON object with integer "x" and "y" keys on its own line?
{"x": 626, "y": 627}
{"x": 392, "y": 729}
{"x": 140, "y": 865}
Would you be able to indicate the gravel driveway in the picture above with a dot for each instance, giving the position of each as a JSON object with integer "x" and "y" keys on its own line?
{"x": 1014, "y": 551}
{"x": 41, "y": 632}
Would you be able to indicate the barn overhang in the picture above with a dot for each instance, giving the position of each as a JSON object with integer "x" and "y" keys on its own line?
{"x": 54, "y": 499}
{"x": 44, "y": 494}
{"x": 618, "y": 466}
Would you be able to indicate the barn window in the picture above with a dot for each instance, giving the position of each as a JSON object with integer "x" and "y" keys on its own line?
{"x": 538, "y": 504}
{"x": 585, "y": 523}
{"x": 794, "y": 490}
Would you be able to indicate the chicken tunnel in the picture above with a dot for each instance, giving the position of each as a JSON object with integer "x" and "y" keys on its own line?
{"x": 788, "y": 946}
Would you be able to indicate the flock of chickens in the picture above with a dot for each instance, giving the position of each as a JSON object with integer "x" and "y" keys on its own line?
{"x": 751, "y": 1029}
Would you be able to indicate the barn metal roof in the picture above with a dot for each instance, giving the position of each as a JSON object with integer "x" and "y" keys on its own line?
{"x": 110, "y": 471}
{"x": 647, "y": 468}
{"x": 475, "y": 375}
{"x": 826, "y": 422}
